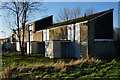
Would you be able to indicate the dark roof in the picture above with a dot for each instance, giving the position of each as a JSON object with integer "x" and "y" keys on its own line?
{"x": 80, "y": 19}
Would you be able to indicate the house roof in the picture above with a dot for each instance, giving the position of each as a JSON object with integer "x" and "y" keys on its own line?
{"x": 80, "y": 19}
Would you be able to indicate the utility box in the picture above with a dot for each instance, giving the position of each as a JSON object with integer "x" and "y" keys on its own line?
{"x": 53, "y": 49}
{"x": 62, "y": 49}
{"x": 67, "y": 49}
{"x": 41, "y": 47}
{"x": 33, "y": 47}
{"x": 36, "y": 47}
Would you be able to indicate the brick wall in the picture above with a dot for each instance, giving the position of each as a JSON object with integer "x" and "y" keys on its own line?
{"x": 83, "y": 32}
{"x": 58, "y": 33}
{"x": 84, "y": 40}
{"x": 38, "y": 36}
{"x": 26, "y": 35}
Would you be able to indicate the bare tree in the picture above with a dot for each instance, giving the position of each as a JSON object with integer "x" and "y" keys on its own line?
{"x": 68, "y": 14}
{"x": 89, "y": 11}
{"x": 76, "y": 12}
{"x": 22, "y": 11}
{"x": 65, "y": 14}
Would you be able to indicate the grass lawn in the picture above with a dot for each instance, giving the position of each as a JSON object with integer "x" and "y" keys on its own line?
{"x": 38, "y": 67}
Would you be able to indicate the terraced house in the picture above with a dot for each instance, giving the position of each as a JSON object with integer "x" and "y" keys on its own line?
{"x": 88, "y": 36}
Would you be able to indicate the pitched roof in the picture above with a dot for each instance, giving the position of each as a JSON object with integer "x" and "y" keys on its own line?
{"x": 80, "y": 19}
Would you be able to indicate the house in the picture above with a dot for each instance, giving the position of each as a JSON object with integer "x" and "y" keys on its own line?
{"x": 93, "y": 34}
{"x": 88, "y": 36}
{"x": 35, "y": 34}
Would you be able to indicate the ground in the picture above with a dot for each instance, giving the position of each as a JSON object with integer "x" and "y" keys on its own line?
{"x": 38, "y": 67}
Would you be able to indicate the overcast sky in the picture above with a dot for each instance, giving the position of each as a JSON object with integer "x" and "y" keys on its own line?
{"x": 54, "y": 7}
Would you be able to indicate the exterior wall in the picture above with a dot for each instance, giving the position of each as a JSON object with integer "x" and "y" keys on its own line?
{"x": 104, "y": 26}
{"x": 115, "y": 34}
{"x": 33, "y": 27}
{"x": 104, "y": 49}
{"x": 38, "y": 36}
{"x": 84, "y": 40}
{"x": 33, "y": 48}
{"x": 91, "y": 38}
{"x": 83, "y": 32}
{"x": 58, "y": 33}
{"x": 118, "y": 34}
{"x": 101, "y": 28}
{"x": 26, "y": 35}
{"x": 16, "y": 37}
{"x": 43, "y": 23}
{"x": 70, "y": 32}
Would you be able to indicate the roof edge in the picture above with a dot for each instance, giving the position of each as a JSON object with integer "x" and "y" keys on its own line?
{"x": 101, "y": 15}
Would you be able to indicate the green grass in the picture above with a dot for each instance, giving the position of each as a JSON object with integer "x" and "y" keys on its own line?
{"x": 28, "y": 68}
{"x": 16, "y": 59}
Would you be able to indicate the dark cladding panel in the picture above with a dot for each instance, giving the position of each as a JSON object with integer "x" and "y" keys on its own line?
{"x": 104, "y": 26}
{"x": 43, "y": 23}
